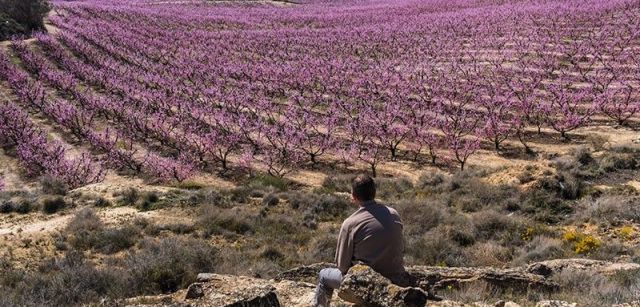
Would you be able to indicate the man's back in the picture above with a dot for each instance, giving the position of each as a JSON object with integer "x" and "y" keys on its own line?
{"x": 373, "y": 236}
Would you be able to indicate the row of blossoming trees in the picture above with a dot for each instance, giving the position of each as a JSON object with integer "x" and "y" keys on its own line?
{"x": 168, "y": 90}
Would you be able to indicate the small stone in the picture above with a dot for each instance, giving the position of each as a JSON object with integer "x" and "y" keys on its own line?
{"x": 194, "y": 291}
{"x": 555, "y": 304}
{"x": 267, "y": 299}
{"x": 205, "y": 277}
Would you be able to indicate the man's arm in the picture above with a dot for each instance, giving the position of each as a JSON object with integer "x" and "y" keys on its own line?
{"x": 344, "y": 251}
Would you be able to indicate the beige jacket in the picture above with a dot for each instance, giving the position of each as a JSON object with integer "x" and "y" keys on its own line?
{"x": 373, "y": 236}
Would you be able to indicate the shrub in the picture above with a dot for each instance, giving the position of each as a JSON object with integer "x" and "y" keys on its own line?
{"x": 24, "y": 206}
{"x": 148, "y": 201}
{"x": 7, "y": 206}
{"x": 52, "y": 185}
{"x": 587, "y": 289}
{"x": 587, "y": 245}
{"x": 102, "y": 202}
{"x": 168, "y": 265}
{"x": 615, "y": 161}
{"x": 388, "y": 188}
{"x": 177, "y": 228}
{"x": 489, "y": 254}
{"x": 526, "y": 177}
{"x": 583, "y": 155}
{"x": 271, "y": 253}
{"x": 470, "y": 193}
{"x": 240, "y": 194}
{"x": 540, "y": 248}
{"x": 309, "y": 220}
{"x": 215, "y": 221}
{"x": 9, "y": 27}
{"x": 270, "y": 200}
{"x": 321, "y": 248}
{"x": 211, "y": 197}
{"x": 570, "y": 187}
{"x": 52, "y": 205}
{"x": 491, "y": 225}
{"x": 459, "y": 229}
{"x": 328, "y": 207}
{"x": 85, "y": 219}
{"x": 129, "y": 197}
{"x": 544, "y": 206}
{"x": 325, "y": 206}
{"x": 113, "y": 240}
{"x": 626, "y": 232}
{"x": 430, "y": 180}
{"x": 22, "y": 16}
{"x": 597, "y": 141}
{"x": 190, "y": 185}
{"x": 613, "y": 209}
{"x": 86, "y": 231}
{"x": 338, "y": 183}
{"x": 69, "y": 281}
{"x": 610, "y": 250}
{"x": 533, "y": 231}
{"x": 419, "y": 216}
{"x": 271, "y": 181}
{"x": 435, "y": 248}
{"x": 582, "y": 243}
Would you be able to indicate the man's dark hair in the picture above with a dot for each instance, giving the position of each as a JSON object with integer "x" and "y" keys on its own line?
{"x": 363, "y": 188}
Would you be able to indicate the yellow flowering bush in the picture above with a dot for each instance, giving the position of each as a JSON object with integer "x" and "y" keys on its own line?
{"x": 583, "y": 244}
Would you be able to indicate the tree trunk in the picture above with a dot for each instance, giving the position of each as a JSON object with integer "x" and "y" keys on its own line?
{"x": 527, "y": 149}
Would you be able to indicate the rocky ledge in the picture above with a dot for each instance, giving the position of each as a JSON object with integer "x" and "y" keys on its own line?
{"x": 364, "y": 287}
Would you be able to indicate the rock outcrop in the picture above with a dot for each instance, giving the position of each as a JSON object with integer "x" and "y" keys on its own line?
{"x": 234, "y": 291}
{"x": 555, "y": 304}
{"x": 364, "y": 286}
{"x": 551, "y": 267}
{"x": 447, "y": 303}
{"x": 367, "y": 288}
{"x": 214, "y": 291}
{"x": 436, "y": 278}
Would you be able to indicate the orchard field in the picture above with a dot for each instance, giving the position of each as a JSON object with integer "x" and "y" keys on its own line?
{"x": 169, "y": 91}
{"x": 506, "y": 131}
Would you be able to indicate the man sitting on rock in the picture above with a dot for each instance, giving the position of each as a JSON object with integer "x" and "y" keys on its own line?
{"x": 372, "y": 236}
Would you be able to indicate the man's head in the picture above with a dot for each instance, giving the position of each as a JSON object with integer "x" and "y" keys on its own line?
{"x": 363, "y": 188}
